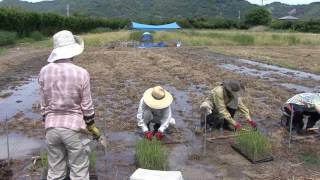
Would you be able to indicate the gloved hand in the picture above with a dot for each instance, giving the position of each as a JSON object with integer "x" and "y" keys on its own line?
{"x": 148, "y": 135}
{"x": 159, "y": 135}
{"x": 237, "y": 126}
{"x": 94, "y": 131}
{"x": 252, "y": 123}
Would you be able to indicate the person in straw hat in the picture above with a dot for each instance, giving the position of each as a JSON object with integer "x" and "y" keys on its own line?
{"x": 299, "y": 106}
{"x": 220, "y": 107}
{"x": 67, "y": 108}
{"x": 154, "y": 108}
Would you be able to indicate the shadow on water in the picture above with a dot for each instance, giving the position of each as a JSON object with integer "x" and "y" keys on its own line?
{"x": 21, "y": 100}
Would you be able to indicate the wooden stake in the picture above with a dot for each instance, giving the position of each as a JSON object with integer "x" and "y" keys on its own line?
{"x": 221, "y": 137}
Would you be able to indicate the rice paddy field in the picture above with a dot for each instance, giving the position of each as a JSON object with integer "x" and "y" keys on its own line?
{"x": 273, "y": 65}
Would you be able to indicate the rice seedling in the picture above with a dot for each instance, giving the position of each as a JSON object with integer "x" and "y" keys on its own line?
{"x": 255, "y": 144}
{"x": 92, "y": 159}
{"x": 44, "y": 159}
{"x": 151, "y": 154}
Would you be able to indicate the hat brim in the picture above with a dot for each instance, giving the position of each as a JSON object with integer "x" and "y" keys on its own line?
{"x": 155, "y": 103}
{"x": 67, "y": 52}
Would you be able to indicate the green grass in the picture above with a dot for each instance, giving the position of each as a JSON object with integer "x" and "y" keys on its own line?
{"x": 244, "y": 39}
{"x": 151, "y": 154}
{"x": 254, "y": 143}
{"x": 7, "y": 38}
{"x": 310, "y": 159}
{"x": 44, "y": 159}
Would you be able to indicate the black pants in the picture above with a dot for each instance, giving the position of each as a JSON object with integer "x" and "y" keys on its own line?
{"x": 215, "y": 121}
{"x": 298, "y": 114}
{"x": 156, "y": 126}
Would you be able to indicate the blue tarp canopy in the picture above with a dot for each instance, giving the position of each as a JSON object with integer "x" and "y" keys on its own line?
{"x": 155, "y": 27}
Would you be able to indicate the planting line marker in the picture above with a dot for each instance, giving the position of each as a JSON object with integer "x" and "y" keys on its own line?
{"x": 7, "y": 132}
{"x": 205, "y": 135}
{"x": 291, "y": 119}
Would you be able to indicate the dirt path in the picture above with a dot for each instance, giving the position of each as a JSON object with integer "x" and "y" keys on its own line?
{"x": 119, "y": 78}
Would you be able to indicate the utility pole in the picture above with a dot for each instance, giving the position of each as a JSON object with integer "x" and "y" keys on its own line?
{"x": 239, "y": 17}
{"x": 68, "y": 10}
{"x": 261, "y": 2}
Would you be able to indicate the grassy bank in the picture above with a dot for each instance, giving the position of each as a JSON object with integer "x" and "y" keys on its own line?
{"x": 213, "y": 37}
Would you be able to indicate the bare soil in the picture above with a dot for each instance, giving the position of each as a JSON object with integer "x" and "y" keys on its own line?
{"x": 120, "y": 76}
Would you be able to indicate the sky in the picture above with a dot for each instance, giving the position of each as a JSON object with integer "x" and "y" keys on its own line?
{"x": 254, "y": 1}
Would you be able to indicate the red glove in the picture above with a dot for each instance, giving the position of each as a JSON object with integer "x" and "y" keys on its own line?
{"x": 148, "y": 135}
{"x": 252, "y": 123}
{"x": 237, "y": 126}
{"x": 159, "y": 135}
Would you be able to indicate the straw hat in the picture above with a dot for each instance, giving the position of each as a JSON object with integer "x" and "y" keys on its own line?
{"x": 316, "y": 102}
{"x": 66, "y": 46}
{"x": 236, "y": 89}
{"x": 157, "y": 98}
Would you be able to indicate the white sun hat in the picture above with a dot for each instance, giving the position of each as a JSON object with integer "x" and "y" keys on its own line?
{"x": 66, "y": 46}
{"x": 157, "y": 98}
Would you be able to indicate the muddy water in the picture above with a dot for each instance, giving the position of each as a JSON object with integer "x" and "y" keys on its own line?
{"x": 21, "y": 100}
{"x": 118, "y": 161}
{"x": 20, "y": 146}
{"x": 271, "y": 73}
{"x": 284, "y": 71}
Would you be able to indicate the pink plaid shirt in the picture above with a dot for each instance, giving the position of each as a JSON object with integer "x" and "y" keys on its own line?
{"x": 65, "y": 95}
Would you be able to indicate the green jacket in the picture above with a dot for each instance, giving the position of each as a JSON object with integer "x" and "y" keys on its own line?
{"x": 218, "y": 100}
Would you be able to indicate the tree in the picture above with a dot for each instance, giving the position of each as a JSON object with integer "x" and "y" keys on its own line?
{"x": 258, "y": 16}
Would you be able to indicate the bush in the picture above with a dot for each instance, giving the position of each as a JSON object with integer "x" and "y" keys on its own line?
{"x": 136, "y": 35}
{"x": 244, "y": 39}
{"x": 37, "y": 36}
{"x": 7, "y": 38}
{"x": 101, "y": 30}
{"x": 258, "y": 16}
{"x": 312, "y": 26}
{"x": 292, "y": 40}
{"x": 151, "y": 155}
{"x": 24, "y": 23}
{"x": 254, "y": 143}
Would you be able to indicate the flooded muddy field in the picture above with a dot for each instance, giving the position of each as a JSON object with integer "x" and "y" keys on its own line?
{"x": 121, "y": 75}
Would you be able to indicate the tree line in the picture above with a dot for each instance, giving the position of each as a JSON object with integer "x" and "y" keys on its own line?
{"x": 25, "y": 23}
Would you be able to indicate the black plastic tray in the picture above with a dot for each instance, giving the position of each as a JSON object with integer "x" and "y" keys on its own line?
{"x": 265, "y": 159}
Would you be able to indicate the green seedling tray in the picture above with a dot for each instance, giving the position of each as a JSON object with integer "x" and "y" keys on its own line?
{"x": 266, "y": 158}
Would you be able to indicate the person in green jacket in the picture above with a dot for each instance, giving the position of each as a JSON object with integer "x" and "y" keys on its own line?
{"x": 222, "y": 104}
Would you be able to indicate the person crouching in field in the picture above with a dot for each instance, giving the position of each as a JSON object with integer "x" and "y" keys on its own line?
{"x": 220, "y": 107}
{"x": 154, "y": 112}
{"x": 299, "y": 106}
{"x": 67, "y": 108}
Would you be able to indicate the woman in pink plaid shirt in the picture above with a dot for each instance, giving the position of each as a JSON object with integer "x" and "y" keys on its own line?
{"x": 67, "y": 108}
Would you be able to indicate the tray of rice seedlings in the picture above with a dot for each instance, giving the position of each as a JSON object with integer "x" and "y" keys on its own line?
{"x": 151, "y": 154}
{"x": 253, "y": 145}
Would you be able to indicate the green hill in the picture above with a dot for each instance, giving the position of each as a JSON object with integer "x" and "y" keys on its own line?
{"x": 138, "y": 8}
{"x": 161, "y": 8}
{"x": 302, "y": 11}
